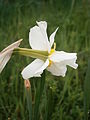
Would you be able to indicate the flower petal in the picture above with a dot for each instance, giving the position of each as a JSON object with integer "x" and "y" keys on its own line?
{"x": 35, "y": 69}
{"x": 43, "y": 27}
{"x": 45, "y": 65}
{"x": 52, "y": 36}
{"x": 38, "y": 37}
{"x": 66, "y": 58}
{"x": 57, "y": 69}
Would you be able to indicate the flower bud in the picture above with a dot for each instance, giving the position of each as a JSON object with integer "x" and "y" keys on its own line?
{"x": 27, "y": 84}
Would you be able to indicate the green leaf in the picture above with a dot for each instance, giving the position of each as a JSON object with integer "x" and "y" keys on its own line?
{"x": 39, "y": 92}
{"x": 87, "y": 92}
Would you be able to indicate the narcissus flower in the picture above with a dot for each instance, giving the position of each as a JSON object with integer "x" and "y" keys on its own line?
{"x": 5, "y": 54}
{"x": 56, "y": 61}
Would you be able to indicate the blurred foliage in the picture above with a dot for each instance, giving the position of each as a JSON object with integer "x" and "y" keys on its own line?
{"x": 62, "y": 98}
{"x": 87, "y": 93}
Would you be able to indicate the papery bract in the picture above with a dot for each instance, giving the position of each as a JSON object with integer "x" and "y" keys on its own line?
{"x": 5, "y": 54}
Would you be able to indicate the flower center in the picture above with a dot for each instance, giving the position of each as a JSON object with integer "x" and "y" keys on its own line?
{"x": 50, "y": 62}
{"x": 52, "y": 51}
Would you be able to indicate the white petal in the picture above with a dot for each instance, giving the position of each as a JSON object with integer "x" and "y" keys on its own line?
{"x": 57, "y": 69}
{"x": 5, "y": 54}
{"x": 45, "y": 65}
{"x": 52, "y": 36}
{"x": 38, "y": 37}
{"x": 43, "y": 27}
{"x": 35, "y": 69}
{"x": 72, "y": 63}
{"x": 66, "y": 58}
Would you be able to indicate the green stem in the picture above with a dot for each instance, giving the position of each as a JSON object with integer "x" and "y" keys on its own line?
{"x": 29, "y": 102}
{"x": 38, "y": 95}
{"x": 31, "y": 50}
{"x": 43, "y": 55}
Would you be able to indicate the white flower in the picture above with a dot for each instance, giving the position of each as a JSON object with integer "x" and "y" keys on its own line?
{"x": 57, "y": 60}
{"x": 5, "y": 54}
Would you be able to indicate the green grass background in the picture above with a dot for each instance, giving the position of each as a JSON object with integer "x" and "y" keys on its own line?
{"x": 62, "y": 98}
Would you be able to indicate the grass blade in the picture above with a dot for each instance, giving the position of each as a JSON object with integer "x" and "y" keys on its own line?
{"x": 87, "y": 92}
{"x": 39, "y": 92}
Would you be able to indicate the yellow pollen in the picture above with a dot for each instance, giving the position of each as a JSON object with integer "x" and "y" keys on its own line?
{"x": 50, "y": 62}
{"x": 52, "y": 50}
{"x": 54, "y": 46}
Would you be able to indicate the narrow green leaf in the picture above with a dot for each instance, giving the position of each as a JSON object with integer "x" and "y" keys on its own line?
{"x": 39, "y": 92}
{"x": 87, "y": 92}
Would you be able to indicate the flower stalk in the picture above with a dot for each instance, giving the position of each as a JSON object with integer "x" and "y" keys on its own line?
{"x": 28, "y": 97}
{"x": 43, "y": 55}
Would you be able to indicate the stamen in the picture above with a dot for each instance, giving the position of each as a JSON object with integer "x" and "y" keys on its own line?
{"x": 54, "y": 45}
{"x": 50, "y": 62}
{"x": 52, "y": 50}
